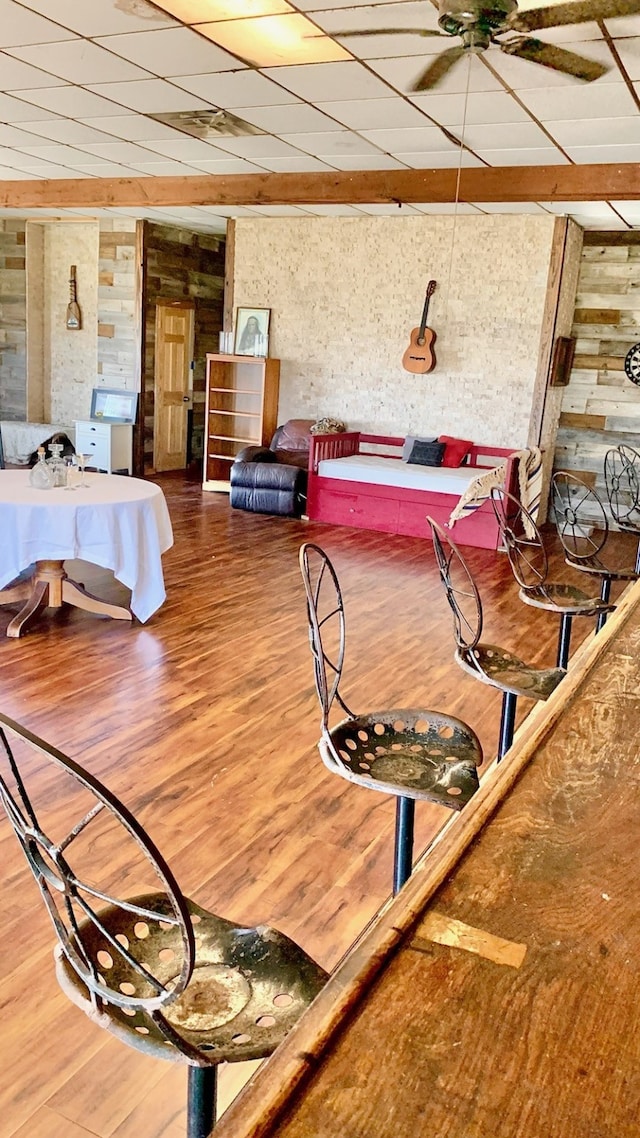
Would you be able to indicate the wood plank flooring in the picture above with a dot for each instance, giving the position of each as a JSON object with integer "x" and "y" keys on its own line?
{"x": 205, "y": 722}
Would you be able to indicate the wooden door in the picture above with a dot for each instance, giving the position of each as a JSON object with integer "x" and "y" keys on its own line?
{"x": 172, "y": 382}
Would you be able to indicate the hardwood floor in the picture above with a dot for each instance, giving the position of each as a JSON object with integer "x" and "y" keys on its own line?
{"x": 205, "y": 722}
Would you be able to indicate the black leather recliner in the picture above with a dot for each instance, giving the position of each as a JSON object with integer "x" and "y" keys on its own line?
{"x": 273, "y": 480}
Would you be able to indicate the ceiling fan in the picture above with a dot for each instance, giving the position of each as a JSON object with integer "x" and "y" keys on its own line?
{"x": 480, "y": 23}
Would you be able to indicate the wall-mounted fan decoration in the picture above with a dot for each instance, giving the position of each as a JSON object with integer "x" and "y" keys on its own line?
{"x": 499, "y": 23}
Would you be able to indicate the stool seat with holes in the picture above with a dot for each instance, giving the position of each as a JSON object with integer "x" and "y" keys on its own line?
{"x": 583, "y": 529}
{"x": 162, "y": 974}
{"x": 486, "y": 662}
{"x": 530, "y": 566}
{"x": 410, "y": 753}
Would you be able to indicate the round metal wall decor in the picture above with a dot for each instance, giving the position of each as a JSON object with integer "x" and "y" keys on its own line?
{"x": 632, "y": 364}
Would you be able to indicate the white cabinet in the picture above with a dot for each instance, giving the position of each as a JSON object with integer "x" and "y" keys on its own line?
{"x": 106, "y": 445}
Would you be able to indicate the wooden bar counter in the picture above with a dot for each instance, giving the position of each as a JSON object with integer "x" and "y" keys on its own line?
{"x": 497, "y": 995}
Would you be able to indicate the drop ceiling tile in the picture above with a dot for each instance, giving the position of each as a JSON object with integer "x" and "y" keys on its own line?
{"x": 603, "y": 222}
{"x": 162, "y": 168}
{"x": 449, "y": 208}
{"x": 194, "y": 11}
{"x": 588, "y": 209}
{"x": 316, "y": 81}
{"x": 586, "y": 102}
{"x": 229, "y": 166}
{"x": 567, "y": 33}
{"x": 103, "y": 170}
{"x": 623, "y": 26}
{"x": 102, "y": 17}
{"x": 403, "y": 73}
{"x": 501, "y": 136}
{"x": 318, "y": 5}
{"x": 7, "y": 174}
{"x": 287, "y": 119}
{"x": 589, "y": 154}
{"x": 410, "y": 140}
{"x": 439, "y": 159}
{"x": 416, "y": 15}
{"x": 333, "y": 210}
{"x": 389, "y": 209}
{"x": 65, "y": 131}
{"x": 280, "y": 210}
{"x": 535, "y": 156}
{"x": 363, "y": 161}
{"x": 510, "y": 207}
{"x": 301, "y": 165}
{"x": 151, "y": 96}
{"x": 174, "y": 51}
{"x": 521, "y": 74}
{"x": 331, "y": 142}
{"x": 78, "y": 61}
{"x": 133, "y": 128}
{"x": 629, "y": 210}
{"x": 48, "y": 170}
{"x": 374, "y": 114}
{"x": 13, "y": 136}
{"x": 629, "y": 52}
{"x": 184, "y": 149}
{"x": 116, "y": 151}
{"x": 233, "y": 89}
{"x": 597, "y": 132}
{"x": 258, "y": 146}
{"x": 19, "y": 26}
{"x": 72, "y": 102}
{"x": 60, "y": 155}
{"x": 19, "y": 76}
{"x": 483, "y": 107}
{"x": 16, "y": 110}
{"x": 275, "y": 41}
{"x": 228, "y": 210}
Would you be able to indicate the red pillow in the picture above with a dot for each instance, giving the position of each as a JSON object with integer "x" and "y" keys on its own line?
{"x": 455, "y": 450}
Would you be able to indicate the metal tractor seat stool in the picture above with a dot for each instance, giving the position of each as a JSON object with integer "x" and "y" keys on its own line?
{"x": 162, "y": 974}
{"x": 486, "y": 662}
{"x": 622, "y": 479}
{"x": 408, "y": 752}
{"x": 583, "y": 529}
{"x": 530, "y": 567}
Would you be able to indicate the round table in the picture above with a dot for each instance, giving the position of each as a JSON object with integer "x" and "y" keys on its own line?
{"x": 119, "y": 523}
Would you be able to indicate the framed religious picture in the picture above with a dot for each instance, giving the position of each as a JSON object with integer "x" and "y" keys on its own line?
{"x": 252, "y": 331}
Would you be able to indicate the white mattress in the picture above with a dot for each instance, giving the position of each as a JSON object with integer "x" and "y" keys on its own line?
{"x": 392, "y": 472}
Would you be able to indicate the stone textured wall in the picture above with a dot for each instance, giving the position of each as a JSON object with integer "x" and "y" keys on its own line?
{"x": 345, "y": 293}
{"x": 69, "y": 357}
{"x": 13, "y": 307}
{"x": 118, "y": 363}
{"x": 600, "y": 406}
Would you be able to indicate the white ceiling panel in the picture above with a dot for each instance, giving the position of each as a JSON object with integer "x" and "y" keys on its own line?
{"x": 467, "y": 73}
{"x": 290, "y": 118}
{"x": 15, "y": 136}
{"x": 16, "y": 110}
{"x": 502, "y": 136}
{"x": 302, "y": 165}
{"x": 630, "y": 211}
{"x": 68, "y": 101}
{"x": 78, "y": 61}
{"x": 485, "y": 107}
{"x": 150, "y": 96}
{"x": 317, "y": 81}
{"x": 453, "y": 208}
{"x": 440, "y": 159}
{"x": 115, "y": 151}
{"x": 132, "y": 128}
{"x": 332, "y": 142}
{"x": 319, "y": 5}
{"x": 97, "y": 169}
{"x": 19, "y": 26}
{"x": 377, "y": 161}
{"x": 584, "y": 101}
{"x": 536, "y": 156}
{"x": 597, "y": 132}
{"x": 389, "y": 210}
{"x": 510, "y": 207}
{"x": 18, "y": 76}
{"x": 61, "y": 155}
{"x": 259, "y": 146}
{"x": 9, "y": 174}
{"x": 230, "y": 165}
{"x": 410, "y": 140}
{"x": 163, "y": 168}
{"x": 101, "y": 17}
{"x": 374, "y": 114}
{"x": 522, "y": 74}
{"x": 629, "y": 52}
{"x": 176, "y": 51}
{"x": 183, "y": 149}
{"x": 65, "y": 131}
{"x": 233, "y": 89}
{"x": 582, "y": 154}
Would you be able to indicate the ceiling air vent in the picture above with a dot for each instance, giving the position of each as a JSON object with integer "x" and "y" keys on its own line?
{"x": 207, "y": 125}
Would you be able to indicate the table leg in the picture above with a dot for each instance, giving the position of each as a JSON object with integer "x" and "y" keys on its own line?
{"x": 51, "y": 588}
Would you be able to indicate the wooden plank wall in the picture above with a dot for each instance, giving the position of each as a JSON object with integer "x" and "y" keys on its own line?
{"x": 117, "y": 349}
{"x": 13, "y": 320}
{"x": 183, "y": 265}
{"x": 600, "y": 406}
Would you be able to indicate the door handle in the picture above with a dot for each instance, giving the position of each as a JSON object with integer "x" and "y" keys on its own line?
{"x": 186, "y": 399}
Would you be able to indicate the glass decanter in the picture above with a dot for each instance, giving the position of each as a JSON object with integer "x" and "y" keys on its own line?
{"x": 41, "y": 475}
{"x": 57, "y": 465}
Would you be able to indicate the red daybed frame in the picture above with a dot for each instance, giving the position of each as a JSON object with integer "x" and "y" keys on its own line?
{"x": 393, "y": 509}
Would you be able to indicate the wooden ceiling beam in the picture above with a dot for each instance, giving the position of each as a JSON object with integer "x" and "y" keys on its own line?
{"x": 611, "y": 182}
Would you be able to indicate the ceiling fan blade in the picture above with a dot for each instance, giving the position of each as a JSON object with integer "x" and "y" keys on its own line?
{"x": 581, "y": 12}
{"x": 384, "y": 32}
{"x": 557, "y": 58}
{"x": 437, "y": 70}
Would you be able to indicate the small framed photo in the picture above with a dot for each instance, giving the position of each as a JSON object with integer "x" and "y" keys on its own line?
{"x": 252, "y": 331}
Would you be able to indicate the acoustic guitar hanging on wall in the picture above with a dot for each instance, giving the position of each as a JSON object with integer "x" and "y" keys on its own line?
{"x": 419, "y": 357}
{"x": 74, "y": 318}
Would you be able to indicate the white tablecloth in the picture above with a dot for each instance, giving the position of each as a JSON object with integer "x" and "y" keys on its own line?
{"x": 119, "y": 523}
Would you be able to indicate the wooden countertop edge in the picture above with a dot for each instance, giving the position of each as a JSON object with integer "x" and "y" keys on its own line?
{"x": 264, "y": 1097}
